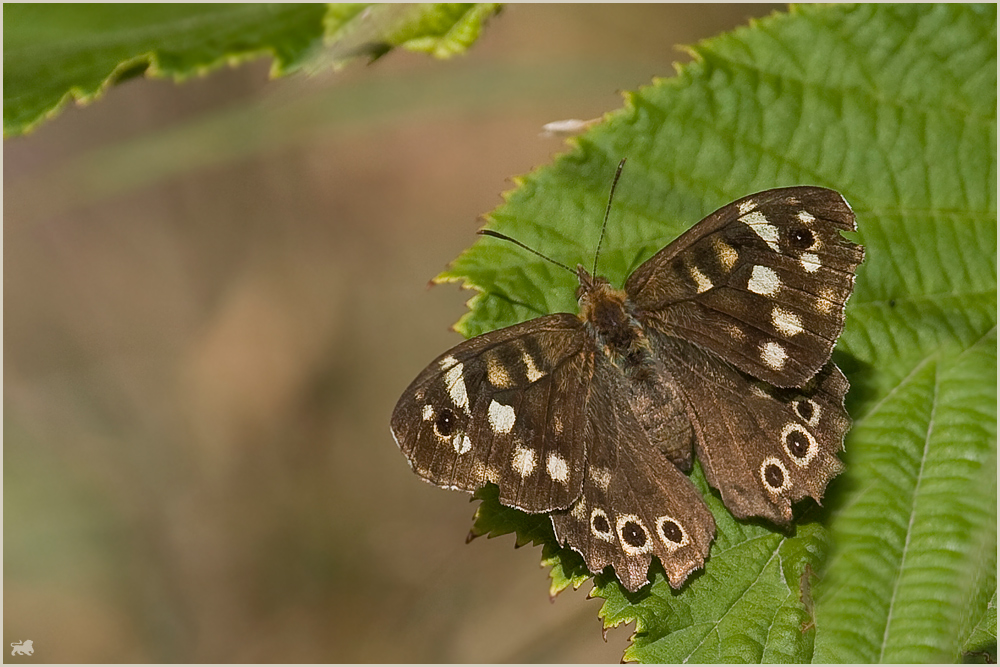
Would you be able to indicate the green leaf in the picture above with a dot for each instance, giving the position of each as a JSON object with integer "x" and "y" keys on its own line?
{"x": 895, "y": 107}
{"x": 54, "y": 53}
{"x": 441, "y": 30}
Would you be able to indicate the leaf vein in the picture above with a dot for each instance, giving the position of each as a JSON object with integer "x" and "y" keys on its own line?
{"x": 913, "y": 512}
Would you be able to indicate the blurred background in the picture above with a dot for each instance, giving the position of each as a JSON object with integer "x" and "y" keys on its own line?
{"x": 214, "y": 293}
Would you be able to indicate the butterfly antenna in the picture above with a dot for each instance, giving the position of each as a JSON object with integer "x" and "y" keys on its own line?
{"x": 607, "y": 212}
{"x": 498, "y": 235}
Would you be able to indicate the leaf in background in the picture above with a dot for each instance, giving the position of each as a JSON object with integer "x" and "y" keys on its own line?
{"x": 441, "y": 30}
{"x": 895, "y": 107}
{"x": 57, "y": 52}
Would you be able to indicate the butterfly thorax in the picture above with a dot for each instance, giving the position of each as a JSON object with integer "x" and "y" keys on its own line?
{"x": 609, "y": 318}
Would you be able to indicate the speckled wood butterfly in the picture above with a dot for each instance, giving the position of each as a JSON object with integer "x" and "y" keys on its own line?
{"x": 719, "y": 345}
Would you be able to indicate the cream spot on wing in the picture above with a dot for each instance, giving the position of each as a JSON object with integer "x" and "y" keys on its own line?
{"x": 827, "y": 300}
{"x": 460, "y": 441}
{"x": 600, "y": 476}
{"x": 786, "y": 322}
{"x": 428, "y": 413}
{"x": 810, "y": 262}
{"x": 456, "y": 386}
{"x": 447, "y": 362}
{"x": 492, "y": 475}
{"x": 530, "y": 369}
{"x": 735, "y": 332}
{"x": 523, "y": 461}
{"x": 746, "y": 206}
{"x": 726, "y": 253}
{"x": 497, "y": 374}
{"x": 762, "y": 228}
{"x": 773, "y": 355}
{"x": 579, "y": 511}
{"x": 501, "y": 417}
{"x": 701, "y": 280}
{"x": 557, "y": 468}
{"x": 806, "y": 217}
{"x": 764, "y": 281}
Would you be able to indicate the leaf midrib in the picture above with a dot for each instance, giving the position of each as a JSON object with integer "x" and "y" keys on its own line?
{"x": 909, "y": 527}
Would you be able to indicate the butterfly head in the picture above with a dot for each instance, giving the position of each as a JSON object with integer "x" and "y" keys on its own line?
{"x": 588, "y": 283}
{"x": 593, "y": 289}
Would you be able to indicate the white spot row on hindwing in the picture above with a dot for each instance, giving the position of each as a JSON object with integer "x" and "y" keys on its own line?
{"x": 630, "y": 530}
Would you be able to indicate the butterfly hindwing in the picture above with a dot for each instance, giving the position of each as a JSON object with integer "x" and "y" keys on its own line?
{"x": 635, "y": 502}
{"x": 506, "y": 407}
{"x": 762, "y": 282}
{"x": 762, "y": 447}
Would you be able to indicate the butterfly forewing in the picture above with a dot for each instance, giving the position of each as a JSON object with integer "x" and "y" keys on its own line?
{"x": 762, "y": 282}
{"x": 635, "y": 502}
{"x": 506, "y": 407}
